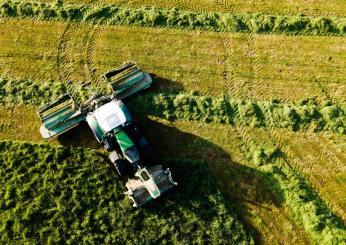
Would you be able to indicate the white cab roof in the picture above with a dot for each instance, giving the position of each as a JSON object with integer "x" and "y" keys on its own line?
{"x": 110, "y": 116}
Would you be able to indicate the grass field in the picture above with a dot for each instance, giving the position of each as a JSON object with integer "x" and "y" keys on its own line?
{"x": 286, "y": 185}
{"x": 184, "y": 60}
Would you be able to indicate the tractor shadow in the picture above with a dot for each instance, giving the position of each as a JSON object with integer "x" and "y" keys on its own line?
{"x": 241, "y": 185}
{"x": 79, "y": 136}
{"x": 164, "y": 84}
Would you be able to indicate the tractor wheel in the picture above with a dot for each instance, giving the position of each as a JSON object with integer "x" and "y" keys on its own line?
{"x": 108, "y": 144}
{"x": 145, "y": 148}
{"x": 122, "y": 166}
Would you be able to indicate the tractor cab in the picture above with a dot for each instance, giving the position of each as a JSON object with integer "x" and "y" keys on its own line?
{"x": 110, "y": 117}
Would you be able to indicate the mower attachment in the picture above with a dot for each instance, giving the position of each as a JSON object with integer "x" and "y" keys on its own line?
{"x": 59, "y": 116}
{"x": 150, "y": 184}
{"x": 127, "y": 80}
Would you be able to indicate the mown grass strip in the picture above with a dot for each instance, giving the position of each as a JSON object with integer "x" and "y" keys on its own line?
{"x": 241, "y": 112}
{"x": 305, "y": 206}
{"x": 308, "y": 114}
{"x": 301, "y": 201}
{"x": 175, "y": 18}
{"x": 71, "y": 195}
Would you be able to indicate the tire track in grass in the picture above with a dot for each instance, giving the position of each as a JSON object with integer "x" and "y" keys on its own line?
{"x": 327, "y": 151}
{"x": 232, "y": 89}
{"x": 85, "y": 49}
{"x": 324, "y": 91}
{"x": 283, "y": 163}
{"x": 228, "y": 73}
{"x": 91, "y": 69}
{"x": 63, "y": 56}
{"x": 66, "y": 61}
{"x": 262, "y": 91}
{"x": 268, "y": 227}
{"x": 316, "y": 152}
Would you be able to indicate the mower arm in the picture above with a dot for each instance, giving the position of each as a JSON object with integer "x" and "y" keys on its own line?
{"x": 59, "y": 116}
{"x": 127, "y": 80}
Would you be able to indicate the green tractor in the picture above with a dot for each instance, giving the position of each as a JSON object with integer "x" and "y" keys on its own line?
{"x": 114, "y": 128}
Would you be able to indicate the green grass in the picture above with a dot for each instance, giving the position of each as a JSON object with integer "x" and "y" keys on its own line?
{"x": 64, "y": 194}
{"x": 175, "y": 18}
{"x": 270, "y": 67}
{"x": 249, "y": 187}
{"x": 302, "y": 202}
{"x": 321, "y": 161}
{"x": 285, "y": 186}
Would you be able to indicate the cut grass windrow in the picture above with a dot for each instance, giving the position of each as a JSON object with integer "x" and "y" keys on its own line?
{"x": 308, "y": 114}
{"x": 71, "y": 195}
{"x": 241, "y": 112}
{"x": 175, "y": 18}
{"x": 316, "y": 7}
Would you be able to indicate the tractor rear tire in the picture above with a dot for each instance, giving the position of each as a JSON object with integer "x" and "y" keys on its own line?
{"x": 122, "y": 166}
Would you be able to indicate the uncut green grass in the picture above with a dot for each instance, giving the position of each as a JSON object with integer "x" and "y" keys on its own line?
{"x": 254, "y": 202}
{"x": 71, "y": 195}
{"x": 319, "y": 7}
